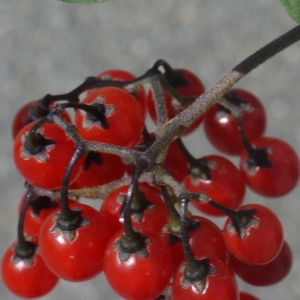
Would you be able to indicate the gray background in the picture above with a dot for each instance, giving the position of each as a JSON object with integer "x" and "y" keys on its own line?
{"x": 50, "y": 47}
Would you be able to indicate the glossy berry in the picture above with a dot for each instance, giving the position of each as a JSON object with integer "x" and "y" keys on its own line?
{"x": 221, "y": 128}
{"x": 207, "y": 239}
{"x": 45, "y": 168}
{"x": 268, "y": 274}
{"x": 26, "y": 278}
{"x": 99, "y": 169}
{"x": 222, "y": 182}
{"x": 123, "y": 122}
{"x": 122, "y": 75}
{"x": 260, "y": 239}
{"x": 152, "y": 215}
{"x": 79, "y": 257}
{"x": 139, "y": 278}
{"x": 218, "y": 286}
{"x": 275, "y": 180}
{"x": 187, "y": 84}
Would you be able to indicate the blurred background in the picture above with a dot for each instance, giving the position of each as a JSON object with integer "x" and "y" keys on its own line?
{"x": 50, "y": 47}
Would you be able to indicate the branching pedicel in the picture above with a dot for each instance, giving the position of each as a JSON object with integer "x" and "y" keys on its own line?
{"x": 146, "y": 241}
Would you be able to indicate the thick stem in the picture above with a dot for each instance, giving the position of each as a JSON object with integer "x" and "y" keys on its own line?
{"x": 208, "y": 98}
{"x": 160, "y": 105}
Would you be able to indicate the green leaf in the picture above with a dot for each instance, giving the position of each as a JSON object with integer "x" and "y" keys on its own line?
{"x": 84, "y": 1}
{"x": 293, "y": 9}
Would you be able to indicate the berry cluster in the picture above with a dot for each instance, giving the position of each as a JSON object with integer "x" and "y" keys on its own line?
{"x": 143, "y": 236}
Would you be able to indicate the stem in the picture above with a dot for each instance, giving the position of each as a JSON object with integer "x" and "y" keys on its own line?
{"x": 183, "y": 120}
{"x": 184, "y": 228}
{"x": 29, "y": 197}
{"x": 194, "y": 111}
{"x": 128, "y": 231}
{"x": 199, "y": 168}
{"x": 35, "y": 142}
{"x": 64, "y": 205}
{"x": 160, "y": 104}
{"x": 173, "y": 225}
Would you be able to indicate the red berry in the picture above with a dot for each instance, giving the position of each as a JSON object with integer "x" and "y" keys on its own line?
{"x": 124, "y": 121}
{"x": 122, "y": 75}
{"x": 99, "y": 169}
{"x": 219, "y": 286}
{"x": 139, "y": 278}
{"x": 27, "y": 278}
{"x": 221, "y": 128}
{"x": 270, "y": 273}
{"x": 224, "y": 184}
{"x": 80, "y": 258}
{"x": 260, "y": 239}
{"x": 46, "y": 167}
{"x": 152, "y": 217}
{"x": 280, "y": 177}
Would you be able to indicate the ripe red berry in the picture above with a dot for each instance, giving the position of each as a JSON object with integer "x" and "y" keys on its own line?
{"x": 99, "y": 169}
{"x": 218, "y": 286}
{"x": 80, "y": 258}
{"x": 139, "y": 278}
{"x": 255, "y": 240}
{"x": 46, "y": 165}
{"x": 277, "y": 179}
{"x": 268, "y": 274}
{"x": 152, "y": 215}
{"x": 123, "y": 120}
{"x": 222, "y": 182}
{"x": 121, "y": 75}
{"x": 221, "y": 128}
{"x": 26, "y": 278}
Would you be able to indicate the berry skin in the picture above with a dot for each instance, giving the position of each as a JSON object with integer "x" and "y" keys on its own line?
{"x": 46, "y": 168}
{"x": 152, "y": 217}
{"x": 139, "y": 278}
{"x": 27, "y": 279}
{"x": 261, "y": 238}
{"x": 175, "y": 162}
{"x": 81, "y": 258}
{"x": 278, "y": 179}
{"x": 219, "y": 286}
{"x": 99, "y": 169}
{"x": 207, "y": 239}
{"x": 124, "y": 120}
{"x": 221, "y": 128}
{"x": 224, "y": 185}
{"x": 121, "y": 75}
{"x": 267, "y": 274}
